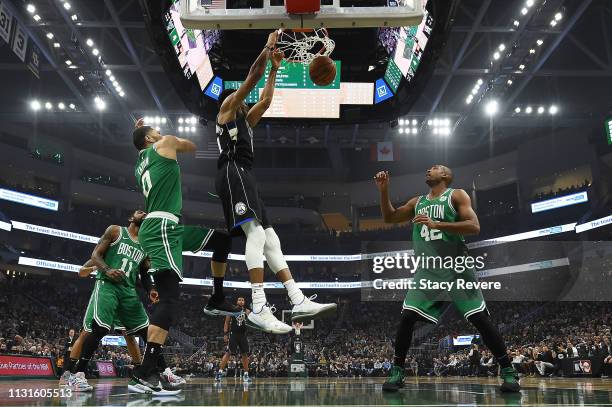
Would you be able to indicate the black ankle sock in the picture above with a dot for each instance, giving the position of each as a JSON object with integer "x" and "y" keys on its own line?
{"x": 69, "y": 365}
{"x": 149, "y": 362}
{"x": 81, "y": 365}
{"x": 218, "y": 288}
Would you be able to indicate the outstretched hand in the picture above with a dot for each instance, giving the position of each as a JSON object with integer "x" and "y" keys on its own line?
{"x": 277, "y": 58}
{"x": 139, "y": 123}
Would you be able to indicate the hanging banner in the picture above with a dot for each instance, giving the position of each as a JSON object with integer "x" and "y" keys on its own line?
{"x": 5, "y": 23}
{"x": 20, "y": 42}
{"x": 33, "y": 60}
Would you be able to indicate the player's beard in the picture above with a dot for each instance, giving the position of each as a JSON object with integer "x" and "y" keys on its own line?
{"x": 137, "y": 222}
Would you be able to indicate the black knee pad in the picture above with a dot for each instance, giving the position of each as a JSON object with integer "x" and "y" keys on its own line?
{"x": 167, "y": 285}
{"x": 221, "y": 245}
{"x": 98, "y": 331}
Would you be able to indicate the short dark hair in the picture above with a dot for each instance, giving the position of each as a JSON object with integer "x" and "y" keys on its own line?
{"x": 224, "y": 95}
{"x": 139, "y": 136}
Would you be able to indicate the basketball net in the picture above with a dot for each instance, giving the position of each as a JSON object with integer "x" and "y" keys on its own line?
{"x": 304, "y": 46}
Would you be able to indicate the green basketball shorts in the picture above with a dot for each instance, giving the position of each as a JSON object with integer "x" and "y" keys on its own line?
{"x": 164, "y": 240}
{"x": 112, "y": 305}
{"x": 429, "y": 302}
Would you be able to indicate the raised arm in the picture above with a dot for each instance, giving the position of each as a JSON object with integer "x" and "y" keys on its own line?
{"x": 390, "y": 214}
{"x": 233, "y": 102}
{"x": 169, "y": 146}
{"x": 257, "y": 111}
{"x": 97, "y": 256}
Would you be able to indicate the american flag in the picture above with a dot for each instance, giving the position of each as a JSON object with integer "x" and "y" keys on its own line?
{"x": 215, "y": 4}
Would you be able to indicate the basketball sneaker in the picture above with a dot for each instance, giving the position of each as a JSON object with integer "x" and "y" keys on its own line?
{"x": 511, "y": 382}
{"x": 171, "y": 381}
{"x": 63, "y": 381}
{"x": 143, "y": 386}
{"x": 395, "y": 381}
{"x": 219, "y": 376}
{"x": 265, "y": 321}
{"x": 308, "y": 309}
{"x": 78, "y": 383}
{"x": 221, "y": 307}
{"x": 246, "y": 378}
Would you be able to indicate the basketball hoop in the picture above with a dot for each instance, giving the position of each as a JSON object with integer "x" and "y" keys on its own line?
{"x": 304, "y": 45}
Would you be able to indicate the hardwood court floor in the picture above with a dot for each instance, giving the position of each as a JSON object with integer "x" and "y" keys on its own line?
{"x": 424, "y": 391}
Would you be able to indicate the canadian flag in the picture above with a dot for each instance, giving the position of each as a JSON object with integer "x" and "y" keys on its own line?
{"x": 384, "y": 151}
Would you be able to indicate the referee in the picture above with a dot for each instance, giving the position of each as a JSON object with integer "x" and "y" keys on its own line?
{"x": 234, "y": 336}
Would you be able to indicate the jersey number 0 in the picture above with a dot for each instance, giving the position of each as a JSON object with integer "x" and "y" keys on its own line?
{"x": 145, "y": 180}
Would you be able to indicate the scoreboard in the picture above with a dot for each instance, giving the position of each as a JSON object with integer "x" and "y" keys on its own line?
{"x": 296, "y": 96}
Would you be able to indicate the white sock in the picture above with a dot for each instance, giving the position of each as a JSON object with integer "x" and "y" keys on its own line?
{"x": 295, "y": 294}
{"x": 259, "y": 296}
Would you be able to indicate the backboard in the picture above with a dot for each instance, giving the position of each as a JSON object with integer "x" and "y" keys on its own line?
{"x": 214, "y": 15}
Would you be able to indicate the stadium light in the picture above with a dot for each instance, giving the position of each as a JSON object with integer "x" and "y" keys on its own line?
{"x": 89, "y": 42}
{"x": 480, "y": 82}
{"x": 553, "y": 110}
{"x": 469, "y": 99}
{"x": 516, "y": 23}
{"x": 540, "y": 42}
{"x": 56, "y": 45}
{"x": 72, "y": 106}
{"x": 100, "y": 104}
{"x": 502, "y": 47}
{"x": 541, "y": 109}
{"x": 532, "y": 51}
{"x": 48, "y": 106}
{"x": 74, "y": 17}
{"x": 81, "y": 78}
{"x": 67, "y": 6}
{"x": 415, "y": 122}
{"x": 558, "y": 16}
{"x": 122, "y": 93}
{"x": 491, "y": 108}
{"x": 415, "y": 131}
{"x": 510, "y": 82}
{"x": 401, "y": 122}
{"x": 517, "y": 110}
{"x": 95, "y": 52}
{"x": 109, "y": 72}
{"x": 50, "y": 36}
{"x": 401, "y": 130}
{"x": 522, "y": 67}
{"x": 524, "y": 11}
{"x": 31, "y": 9}
{"x": 529, "y": 3}
{"x": 164, "y": 120}
{"x": 553, "y": 23}
{"x": 496, "y": 56}
{"x": 68, "y": 62}
{"x": 112, "y": 78}
{"x": 180, "y": 129}
{"x": 35, "y": 105}
{"x": 528, "y": 109}
{"x": 61, "y": 106}
{"x": 36, "y": 17}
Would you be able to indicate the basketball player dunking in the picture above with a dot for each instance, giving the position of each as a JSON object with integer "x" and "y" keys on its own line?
{"x": 244, "y": 211}
{"x": 164, "y": 238}
{"x": 235, "y": 338}
{"x": 441, "y": 219}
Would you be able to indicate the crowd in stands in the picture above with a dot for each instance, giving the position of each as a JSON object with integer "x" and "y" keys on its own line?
{"x": 36, "y": 315}
{"x": 542, "y": 196}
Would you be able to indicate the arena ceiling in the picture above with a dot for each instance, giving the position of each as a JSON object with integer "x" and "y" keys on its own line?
{"x": 572, "y": 70}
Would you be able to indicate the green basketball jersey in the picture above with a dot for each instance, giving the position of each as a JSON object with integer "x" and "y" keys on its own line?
{"x": 159, "y": 178}
{"x": 126, "y": 255}
{"x": 434, "y": 242}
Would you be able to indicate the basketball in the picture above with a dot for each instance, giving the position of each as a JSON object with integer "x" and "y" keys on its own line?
{"x": 322, "y": 70}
